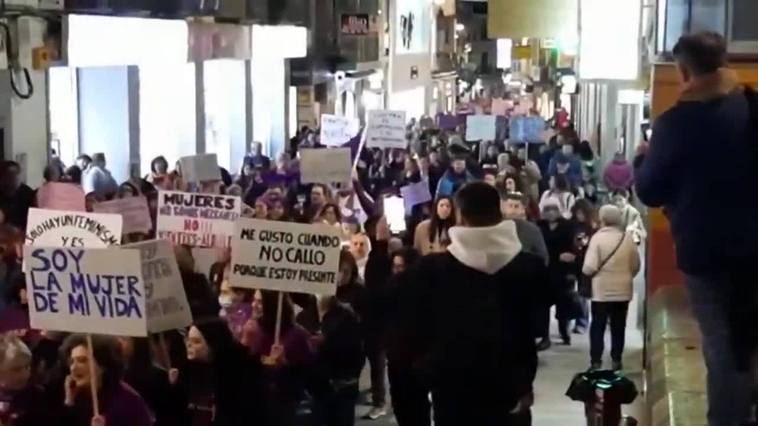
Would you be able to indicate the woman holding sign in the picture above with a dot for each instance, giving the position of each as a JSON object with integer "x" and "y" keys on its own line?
{"x": 118, "y": 404}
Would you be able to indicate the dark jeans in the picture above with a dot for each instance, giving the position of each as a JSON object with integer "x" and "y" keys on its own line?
{"x": 543, "y": 321}
{"x": 377, "y": 360}
{"x": 337, "y": 407}
{"x": 728, "y": 388}
{"x": 602, "y": 312}
{"x": 410, "y": 396}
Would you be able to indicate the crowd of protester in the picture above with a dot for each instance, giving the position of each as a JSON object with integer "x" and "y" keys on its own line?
{"x": 226, "y": 369}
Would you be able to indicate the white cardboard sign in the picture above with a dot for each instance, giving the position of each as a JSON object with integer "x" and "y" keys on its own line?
{"x": 57, "y": 228}
{"x": 97, "y": 291}
{"x": 481, "y": 127}
{"x": 288, "y": 257}
{"x": 200, "y": 168}
{"x": 166, "y": 303}
{"x": 386, "y": 129}
{"x": 328, "y": 166}
{"x": 337, "y": 130}
{"x": 197, "y": 220}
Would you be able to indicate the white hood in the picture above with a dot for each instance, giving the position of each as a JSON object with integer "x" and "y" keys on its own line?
{"x": 485, "y": 249}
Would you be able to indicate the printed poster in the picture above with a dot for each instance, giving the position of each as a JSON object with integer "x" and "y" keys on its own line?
{"x": 197, "y": 220}
{"x": 288, "y": 257}
{"x": 98, "y": 291}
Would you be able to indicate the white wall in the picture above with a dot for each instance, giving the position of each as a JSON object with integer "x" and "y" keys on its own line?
{"x": 225, "y": 112}
{"x": 104, "y": 116}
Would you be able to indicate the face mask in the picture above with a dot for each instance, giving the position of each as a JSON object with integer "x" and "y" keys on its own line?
{"x": 225, "y": 301}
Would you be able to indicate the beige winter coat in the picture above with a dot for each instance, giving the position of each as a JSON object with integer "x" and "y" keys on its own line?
{"x": 421, "y": 240}
{"x": 614, "y": 282}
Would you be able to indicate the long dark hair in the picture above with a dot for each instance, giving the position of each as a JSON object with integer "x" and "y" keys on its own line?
{"x": 437, "y": 226}
{"x": 347, "y": 258}
{"x": 587, "y": 210}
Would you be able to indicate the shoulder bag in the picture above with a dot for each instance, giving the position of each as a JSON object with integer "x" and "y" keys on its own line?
{"x": 585, "y": 282}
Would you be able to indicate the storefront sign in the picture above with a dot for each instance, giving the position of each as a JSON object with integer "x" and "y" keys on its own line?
{"x": 357, "y": 24}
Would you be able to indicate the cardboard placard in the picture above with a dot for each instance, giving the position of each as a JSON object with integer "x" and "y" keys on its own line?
{"x": 56, "y": 228}
{"x": 415, "y": 193}
{"x": 501, "y": 106}
{"x": 134, "y": 210}
{"x": 165, "y": 300}
{"x": 386, "y": 130}
{"x": 61, "y": 196}
{"x": 337, "y": 130}
{"x": 447, "y": 121}
{"x": 288, "y": 257}
{"x": 394, "y": 209}
{"x": 97, "y": 291}
{"x": 328, "y": 166}
{"x": 200, "y": 168}
{"x": 197, "y": 220}
{"x": 480, "y": 127}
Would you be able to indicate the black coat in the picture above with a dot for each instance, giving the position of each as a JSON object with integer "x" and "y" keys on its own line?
{"x": 470, "y": 332}
{"x": 559, "y": 240}
{"x": 340, "y": 356}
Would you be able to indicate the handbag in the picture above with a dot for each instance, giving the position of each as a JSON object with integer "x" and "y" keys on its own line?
{"x": 585, "y": 282}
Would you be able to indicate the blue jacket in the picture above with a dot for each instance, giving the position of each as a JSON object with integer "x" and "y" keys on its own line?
{"x": 699, "y": 167}
{"x": 574, "y": 173}
{"x": 452, "y": 182}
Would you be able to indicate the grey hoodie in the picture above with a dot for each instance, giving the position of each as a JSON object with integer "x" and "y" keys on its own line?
{"x": 487, "y": 249}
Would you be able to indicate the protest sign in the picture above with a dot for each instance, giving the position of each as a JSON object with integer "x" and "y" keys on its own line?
{"x": 480, "y": 127}
{"x": 165, "y": 301}
{"x": 61, "y": 196}
{"x": 288, "y": 257}
{"x": 337, "y": 130}
{"x": 326, "y": 166}
{"x": 55, "y": 228}
{"x": 200, "y": 168}
{"x": 501, "y": 106}
{"x": 415, "y": 193}
{"x": 447, "y": 121}
{"x": 133, "y": 210}
{"x": 394, "y": 209}
{"x": 197, "y": 220}
{"x": 386, "y": 130}
{"x": 76, "y": 290}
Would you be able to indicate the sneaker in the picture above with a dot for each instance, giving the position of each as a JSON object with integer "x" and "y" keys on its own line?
{"x": 617, "y": 366}
{"x": 543, "y": 345}
{"x": 375, "y": 413}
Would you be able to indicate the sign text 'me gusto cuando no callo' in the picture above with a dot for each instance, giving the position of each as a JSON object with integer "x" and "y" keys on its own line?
{"x": 76, "y": 221}
{"x": 285, "y": 257}
{"x": 114, "y": 296}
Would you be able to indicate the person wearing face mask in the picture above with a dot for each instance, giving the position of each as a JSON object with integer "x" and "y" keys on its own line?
{"x": 21, "y": 403}
{"x": 222, "y": 385}
{"x": 431, "y": 235}
{"x": 119, "y": 404}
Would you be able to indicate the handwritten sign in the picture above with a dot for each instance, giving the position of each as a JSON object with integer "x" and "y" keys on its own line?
{"x": 415, "y": 193}
{"x": 165, "y": 300}
{"x": 134, "y": 211}
{"x": 197, "y": 220}
{"x": 394, "y": 209}
{"x": 480, "y": 127}
{"x": 336, "y": 130}
{"x": 61, "y": 196}
{"x": 55, "y": 228}
{"x": 285, "y": 256}
{"x": 86, "y": 290}
{"x": 200, "y": 168}
{"x": 386, "y": 129}
{"x": 327, "y": 166}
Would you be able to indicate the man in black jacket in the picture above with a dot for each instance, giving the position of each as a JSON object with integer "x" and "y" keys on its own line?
{"x": 468, "y": 313}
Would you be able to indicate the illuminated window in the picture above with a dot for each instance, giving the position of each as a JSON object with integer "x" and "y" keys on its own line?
{"x": 609, "y": 48}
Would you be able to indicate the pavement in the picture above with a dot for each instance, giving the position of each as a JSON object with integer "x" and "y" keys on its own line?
{"x": 557, "y": 366}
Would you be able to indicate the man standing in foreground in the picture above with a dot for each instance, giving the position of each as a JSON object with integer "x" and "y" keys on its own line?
{"x": 469, "y": 312}
{"x": 713, "y": 223}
